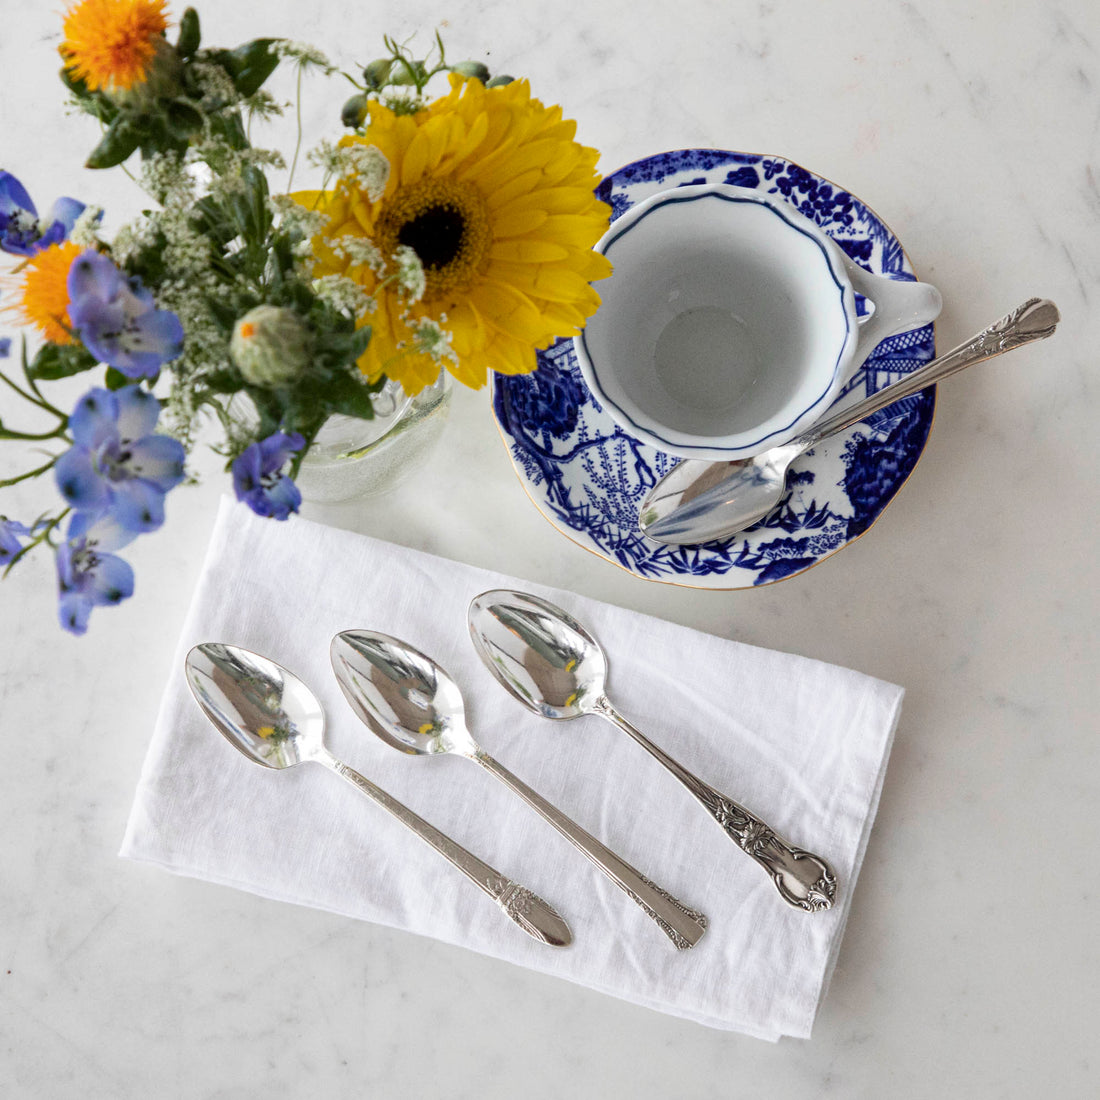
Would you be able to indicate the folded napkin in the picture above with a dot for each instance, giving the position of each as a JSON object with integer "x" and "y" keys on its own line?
{"x": 801, "y": 743}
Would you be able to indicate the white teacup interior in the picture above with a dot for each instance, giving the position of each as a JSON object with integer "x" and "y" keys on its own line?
{"x": 722, "y": 318}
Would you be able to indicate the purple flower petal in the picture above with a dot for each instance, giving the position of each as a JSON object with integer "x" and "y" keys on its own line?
{"x": 158, "y": 459}
{"x": 257, "y": 479}
{"x": 246, "y": 470}
{"x": 117, "y": 320}
{"x": 100, "y": 531}
{"x": 138, "y": 411}
{"x": 13, "y": 195}
{"x": 283, "y": 498}
{"x": 79, "y": 482}
{"x": 137, "y": 505}
{"x": 112, "y": 580}
{"x": 74, "y": 609}
{"x": 93, "y": 275}
{"x": 11, "y": 532}
{"x": 94, "y": 419}
{"x": 65, "y": 212}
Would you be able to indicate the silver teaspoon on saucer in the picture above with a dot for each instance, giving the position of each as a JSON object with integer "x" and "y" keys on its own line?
{"x": 698, "y": 501}
{"x": 411, "y": 703}
{"x": 270, "y": 715}
{"x": 552, "y": 665}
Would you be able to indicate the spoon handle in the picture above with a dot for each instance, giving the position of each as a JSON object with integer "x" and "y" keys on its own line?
{"x": 536, "y": 917}
{"x": 682, "y": 925}
{"x": 1034, "y": 319}
{"x": 804, "y": 880}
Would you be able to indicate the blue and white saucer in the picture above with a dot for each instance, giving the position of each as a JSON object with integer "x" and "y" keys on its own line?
{"x": 588, "y": 477}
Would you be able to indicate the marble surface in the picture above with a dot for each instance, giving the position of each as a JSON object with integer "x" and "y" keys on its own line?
{"x": 969, "y": 963}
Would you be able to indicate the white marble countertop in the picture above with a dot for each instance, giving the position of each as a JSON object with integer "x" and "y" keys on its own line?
{"x": 969, "y": 963}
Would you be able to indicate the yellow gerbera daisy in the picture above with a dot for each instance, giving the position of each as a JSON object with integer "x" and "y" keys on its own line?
{"x": 110, "y": 44}
{"x": 496, "y": 198}
{"x": 43, "y": 291}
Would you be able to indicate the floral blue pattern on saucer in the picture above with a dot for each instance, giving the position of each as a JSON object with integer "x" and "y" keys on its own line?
{"x": 588, "y": 477}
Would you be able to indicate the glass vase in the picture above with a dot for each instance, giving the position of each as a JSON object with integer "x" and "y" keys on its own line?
{"x": 352, "y": 458}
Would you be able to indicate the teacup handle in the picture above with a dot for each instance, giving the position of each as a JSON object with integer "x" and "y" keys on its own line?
{"x": 899, "y": 307}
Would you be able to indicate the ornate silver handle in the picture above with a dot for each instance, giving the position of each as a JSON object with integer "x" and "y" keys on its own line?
{"x": 536, "y": 917}
{"x": 1035, "y": 319}
{"x": 803, "y": 879}
{"x": 682, "y": 925}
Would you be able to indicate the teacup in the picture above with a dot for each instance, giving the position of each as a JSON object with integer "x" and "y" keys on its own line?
{"x": 729, "y": 324}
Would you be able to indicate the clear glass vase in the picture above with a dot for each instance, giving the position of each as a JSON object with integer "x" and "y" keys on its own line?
{"x": 352, "y": 458}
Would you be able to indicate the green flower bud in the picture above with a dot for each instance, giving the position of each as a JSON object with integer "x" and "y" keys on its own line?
{"x": 408, "y": 72}
{"x": 378, "y": 72}
{"x": 354, "y": 111}
{"x": 270, "y": 346}
{"x": 499, "y": 81}
{"x": 163, "y": 76}
{"x": 472, "y": 69}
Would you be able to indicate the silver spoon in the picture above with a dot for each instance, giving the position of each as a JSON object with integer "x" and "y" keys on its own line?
{"x": 699, "y": 501}
{"x": 411, "y": 703}
{"x": 275, "y": 720}
{"x": 552, "y": 665}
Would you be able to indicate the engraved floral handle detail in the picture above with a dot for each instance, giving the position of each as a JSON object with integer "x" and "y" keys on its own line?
{"x": 1035, "y": 319}
{"x": 804, "y": 880}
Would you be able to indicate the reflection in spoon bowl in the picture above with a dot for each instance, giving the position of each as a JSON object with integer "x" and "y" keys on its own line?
{"x": 411, "y": 703}
{"x": 270, "y": 715}
{"x": 552, "y": 665}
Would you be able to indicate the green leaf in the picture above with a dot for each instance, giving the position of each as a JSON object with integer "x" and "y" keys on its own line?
{"x": 190, "y": 35}
{"x": 55, "y": 361}
{"x": 223, "y": 381}
{"x": 120, "y": 140}
{"x": 249, "y": 65}
{"x": 231, "y": 129}
{"x": 74, "y": 84}
{"x": 115, "y": 379}
{"x": 348, "y": 395}
{"x": 183, "y": 120}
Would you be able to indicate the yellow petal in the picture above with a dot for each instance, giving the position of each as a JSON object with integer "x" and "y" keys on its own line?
{"x": 518, "y": 223}
{"x": 526, "y": 251}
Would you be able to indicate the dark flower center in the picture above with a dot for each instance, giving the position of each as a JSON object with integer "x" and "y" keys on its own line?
{"x": 435, "y": 235}
{"x": 445, "y": 222}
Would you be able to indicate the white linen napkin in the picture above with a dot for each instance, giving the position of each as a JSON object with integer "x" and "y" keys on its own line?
{"x": 801, "y": 743}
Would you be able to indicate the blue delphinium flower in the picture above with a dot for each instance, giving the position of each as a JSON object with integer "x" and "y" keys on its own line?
{"x": 258, "y": 478}
{"x": 117, "y": 466}
{"x": 116, "y": 319}
{"x": 88, "y": 574}
{"x": 21, "y": 231}
{"x": 5, "y": 347}
{"x": 11, "y": 532}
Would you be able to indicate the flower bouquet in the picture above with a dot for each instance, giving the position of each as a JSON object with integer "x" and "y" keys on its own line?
{"x": 452, "y": 233}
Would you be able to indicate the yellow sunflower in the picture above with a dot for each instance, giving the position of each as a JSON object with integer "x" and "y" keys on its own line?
{"x": 490, "y": 190}
{"x": 43, "y": 291}
{"x": 110, "y": 44}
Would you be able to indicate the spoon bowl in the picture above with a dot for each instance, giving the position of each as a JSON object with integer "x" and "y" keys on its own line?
{"x": 271, "y": 716}
{"x": 400, "y": 694}
{"x": 539, "y": 653}
{"x": 263, "y": 710}
{"x": 413, "y": 705}
{"x": 556, "y": 668}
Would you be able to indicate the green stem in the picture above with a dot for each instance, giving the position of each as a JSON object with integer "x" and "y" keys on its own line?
{"x": 28, "y": 475}
{"x": 43, "y": 536}
{"x": 8, "y": 433}
{"x": 38, "y": 400}
{"x": 298, "y": 142}
{"x": 33, "y": 386}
